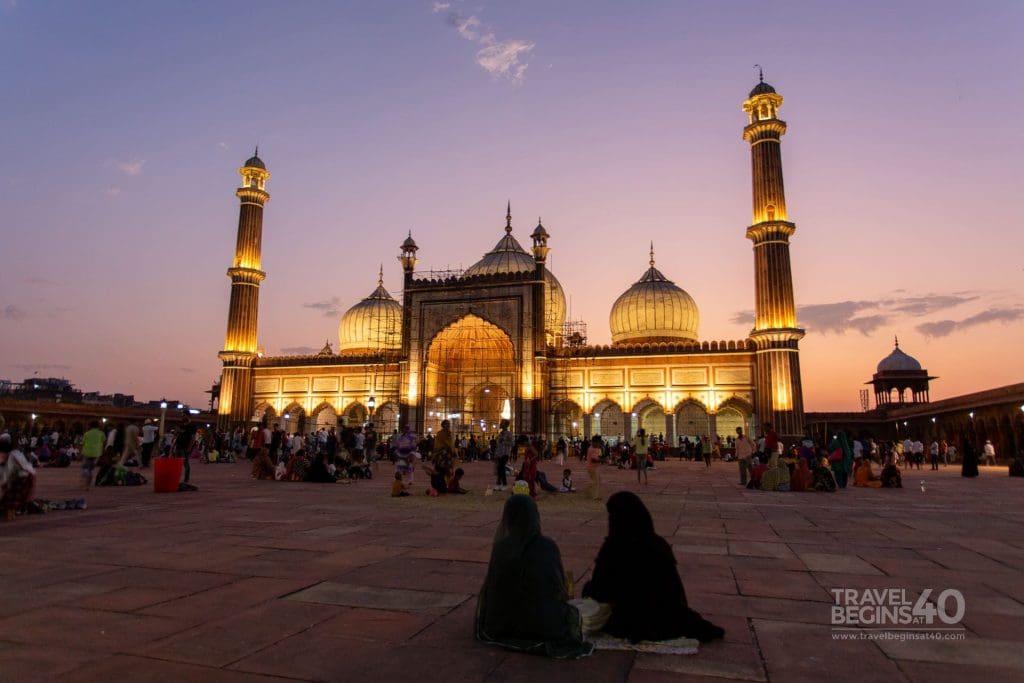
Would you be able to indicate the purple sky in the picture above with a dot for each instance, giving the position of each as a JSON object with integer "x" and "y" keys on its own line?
{"x": 618, "y": 123}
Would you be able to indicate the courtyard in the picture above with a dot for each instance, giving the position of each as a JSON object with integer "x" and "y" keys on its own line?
{"x": 259, "y": 581}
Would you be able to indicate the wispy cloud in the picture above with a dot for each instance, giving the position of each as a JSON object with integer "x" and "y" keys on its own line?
{"x": 331, "y": 308}
{"x": 868, "y": 315}
{"x": 132, "y": 167}
{"x": 299, "y": 351}
{"x": 186, "y": 370}
{"x": 507, "y": 59}
{"x": 112, "y": 191}
{"x": 944, "y": 328}
{"x": 12, "y": 312}
{"x": 222, "y": 145}
{"x": 33, "y": 367}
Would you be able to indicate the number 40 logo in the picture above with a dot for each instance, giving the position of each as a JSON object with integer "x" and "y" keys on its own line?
{"x": 924, "y": 611}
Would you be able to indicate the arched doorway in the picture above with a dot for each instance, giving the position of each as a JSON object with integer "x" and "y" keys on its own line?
{"x": 355, "y": 415}
{"x": 293, "y": 419}
{"x": 264, "y": 411}
{"x": 323, "y": 417}
{"x": 470, "y": 377}
{"x": 691, "y": 420}
{"x": 650, "y": 417}
{"x": 607, "y": 421}
{"x": 385, "y": 419}
{"x": 566, "y": 420}
{"x": 731, "y": 415}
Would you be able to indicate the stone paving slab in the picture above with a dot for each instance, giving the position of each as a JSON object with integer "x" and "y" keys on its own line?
{"x": 251, "y": 581}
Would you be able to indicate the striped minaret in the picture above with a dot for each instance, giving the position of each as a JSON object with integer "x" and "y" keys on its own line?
{"x": 779, "y": 395}
{"x": 236, "y": 390}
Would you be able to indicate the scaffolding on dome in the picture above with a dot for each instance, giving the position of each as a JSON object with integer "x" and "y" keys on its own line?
{"x": 381, "y": 374}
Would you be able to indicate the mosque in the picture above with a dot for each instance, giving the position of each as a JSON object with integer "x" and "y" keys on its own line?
{"x": 492, "y": 342}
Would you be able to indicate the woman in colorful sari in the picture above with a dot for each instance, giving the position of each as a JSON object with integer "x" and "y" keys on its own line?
{"x": 776, "y": 477}
{"x": 262, "y": 466}
{"x": 802, "y": 477}
{"x": 635, "y": 572}
{"x": 841, "y": 457}
{"x": 522, "y": 604}
{"x": 864, "y": 477}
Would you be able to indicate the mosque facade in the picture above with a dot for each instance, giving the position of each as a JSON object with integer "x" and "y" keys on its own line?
{"x": 492, "y": 342}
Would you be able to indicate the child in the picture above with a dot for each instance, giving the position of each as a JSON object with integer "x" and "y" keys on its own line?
{"x": 398, "y": 487}
{"x": 567, "y": 482}
{"x": 455, "y": 482}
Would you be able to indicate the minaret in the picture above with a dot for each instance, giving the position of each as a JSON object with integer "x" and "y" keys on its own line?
{"x": 779, "y": 394}
{"x": 236, "y": 385}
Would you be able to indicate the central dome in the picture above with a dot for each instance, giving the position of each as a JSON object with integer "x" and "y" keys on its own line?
{"x": 654, "y": 309}
{"x": 372, "y": 325}
{"x": 508, "y": 256}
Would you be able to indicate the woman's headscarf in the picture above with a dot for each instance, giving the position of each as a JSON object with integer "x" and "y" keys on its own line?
{"x": 520, "y": 524}
{"x": 840, "y": 442}
{"x": 628, "y": 516}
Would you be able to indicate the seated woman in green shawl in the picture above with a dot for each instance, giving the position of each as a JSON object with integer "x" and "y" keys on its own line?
{"x": 776, "y": 477}
{"x": 522, "y": 605}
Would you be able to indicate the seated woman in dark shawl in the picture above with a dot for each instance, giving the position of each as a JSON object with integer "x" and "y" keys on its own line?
{"x": 318, "y": 472}
{"x": 891, "y": 477}
{"x": 636, "y": 574}
{"x": 822, "y": 478}
{"x": 522, "y": 605}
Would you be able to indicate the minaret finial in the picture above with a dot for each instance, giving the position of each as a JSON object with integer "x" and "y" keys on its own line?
{"x": 897, "y": 341}
{"x": 380, "y": 275}
{"x": 652, "y": 253}
{"x": 760, "y": 72}
{"x": 257, "y": 152}
{"x": 508, "y": 218}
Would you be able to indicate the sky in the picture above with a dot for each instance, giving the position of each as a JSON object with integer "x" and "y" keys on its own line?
{"x": 617, "y": 123}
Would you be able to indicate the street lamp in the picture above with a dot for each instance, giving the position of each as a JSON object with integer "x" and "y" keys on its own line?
{"x": 371, "y": 404}
{"x": 163, "y": 420}
{"x": 286, "y": 416}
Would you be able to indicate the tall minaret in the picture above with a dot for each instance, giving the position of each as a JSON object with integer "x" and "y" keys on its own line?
{"x": 779, "y": 394}
{"x": 236, "y": 385}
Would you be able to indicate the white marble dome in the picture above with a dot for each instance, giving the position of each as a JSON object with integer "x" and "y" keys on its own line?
{"x": 372, "y": 325}
{"x": 654, "y": 309}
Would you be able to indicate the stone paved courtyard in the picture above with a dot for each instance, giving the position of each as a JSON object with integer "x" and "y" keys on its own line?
{"x": 252, "y": 581}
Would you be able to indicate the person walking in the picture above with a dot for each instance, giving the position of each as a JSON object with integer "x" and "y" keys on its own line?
{"x": 594, "y": 455}
{"x": 640, "y": 449}
{"x": 744, "y": 450}
{"x": 989, "y": 453}
{"x": 502, "y": 452}
{"x": 92, "y": 448}
{"x": 933, "y": 454}
{"x": 705, "y": 449}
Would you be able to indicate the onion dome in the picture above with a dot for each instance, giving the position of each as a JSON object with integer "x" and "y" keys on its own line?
{"x": 255, "y": 162}
{"x": 409, "y": 243}
{"x": 654, "y": 309}
{"x": 372, "y": 325}
{"x": 508, "y": 256}
{"x": 897, "y": 361}
{"x": 761, "y": 88}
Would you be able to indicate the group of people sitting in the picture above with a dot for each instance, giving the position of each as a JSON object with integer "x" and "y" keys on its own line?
{"x": 807, "y": 468}
{"x": 304, "y": 466}
{"x": 635, "y": 590}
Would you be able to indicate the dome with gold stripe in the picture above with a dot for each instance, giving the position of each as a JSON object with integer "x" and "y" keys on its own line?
{"x": 372, "y": 325}
{"x": 508, "y": 256}
{"x": 654, "y": 309}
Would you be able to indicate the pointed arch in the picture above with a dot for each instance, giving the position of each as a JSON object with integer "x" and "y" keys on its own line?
{"x": 607, "y": 419}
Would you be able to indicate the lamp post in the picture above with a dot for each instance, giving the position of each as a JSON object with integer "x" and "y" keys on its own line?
{"x": 34, "y": 416}
{"x": 163, "y": 422}
{"x": 371, "y": 403}
{"x": 286, "y": 416}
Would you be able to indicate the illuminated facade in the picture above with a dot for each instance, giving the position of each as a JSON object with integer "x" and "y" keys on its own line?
{"x": 492, "y": 342}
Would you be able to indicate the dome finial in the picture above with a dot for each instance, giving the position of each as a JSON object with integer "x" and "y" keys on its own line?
{"x": 508, "y": 218}
{"x": 896, "y": 337}
{"x": 760, "y": 73}
{"x": 652, "y": 253}
{"x": 380, "y": 275}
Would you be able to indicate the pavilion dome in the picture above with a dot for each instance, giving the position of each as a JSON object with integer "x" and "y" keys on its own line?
{"x": 372, "y": 325}
{"x": 508, "y": 256}
{"x": 761, "y": 88}
{"x": 654, "y": 309}
{"x": 897, "y": 361}
{"x": 255, "y": 162}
